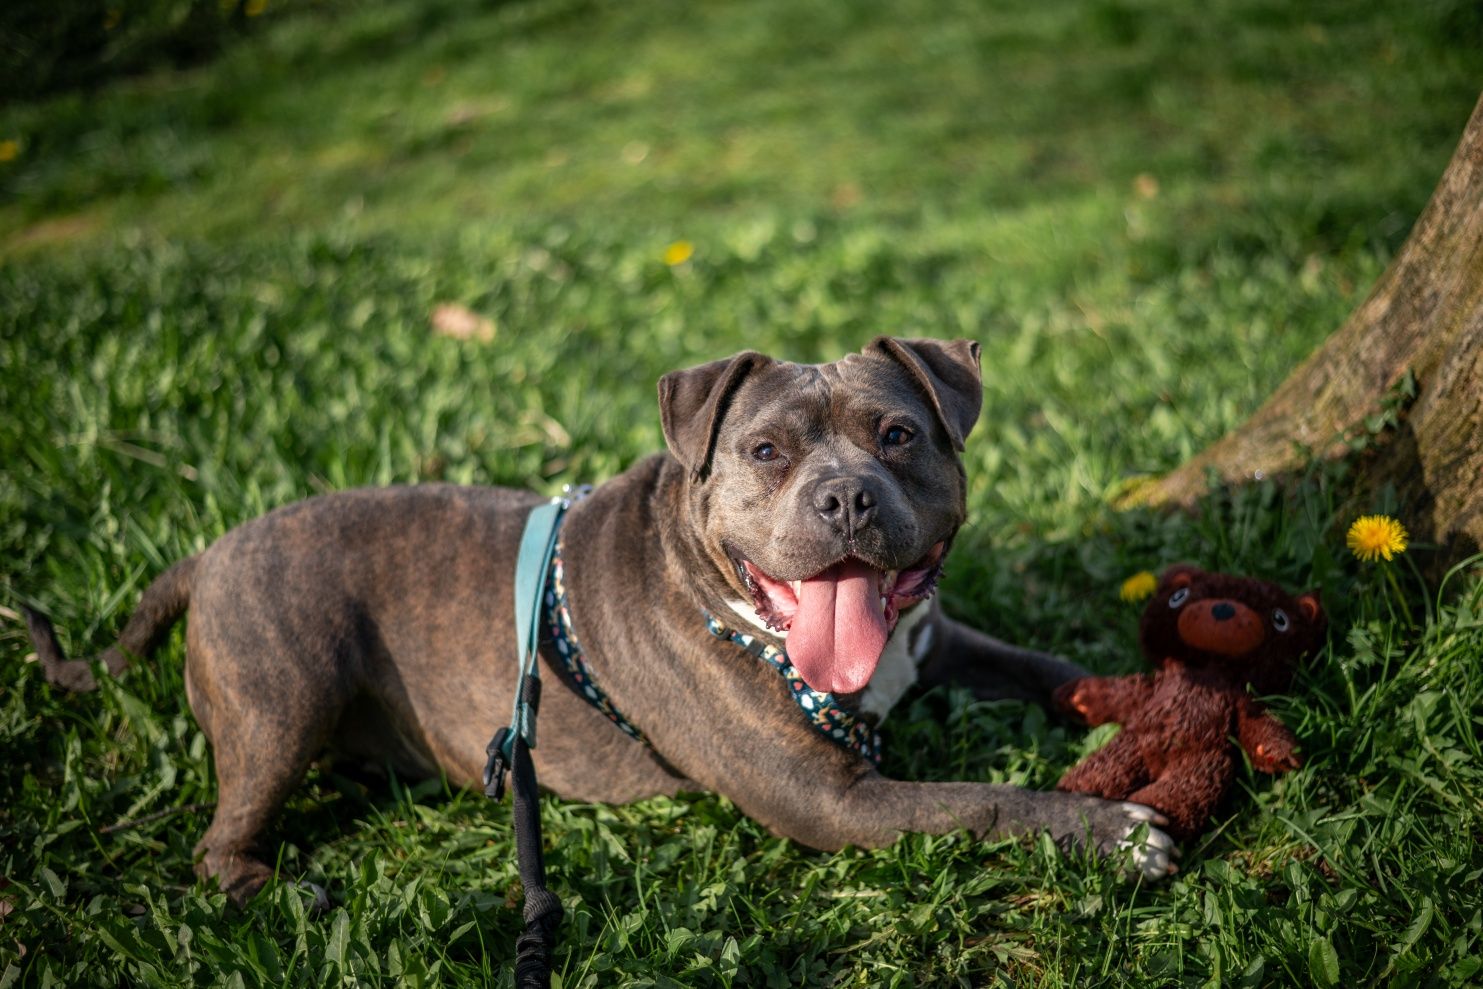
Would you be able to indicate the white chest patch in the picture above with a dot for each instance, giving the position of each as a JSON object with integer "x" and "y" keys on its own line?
{"x": 898, "y": 667}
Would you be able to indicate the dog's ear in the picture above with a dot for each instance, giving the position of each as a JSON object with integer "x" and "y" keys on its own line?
{"x": 947, "y": 370}
{"x": 693, "y": 402}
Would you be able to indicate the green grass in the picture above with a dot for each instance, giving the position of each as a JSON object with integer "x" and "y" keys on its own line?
{"x": 215, "y": 300}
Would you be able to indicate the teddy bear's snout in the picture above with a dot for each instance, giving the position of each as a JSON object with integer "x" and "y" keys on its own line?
{"x": 1229, "y": 628}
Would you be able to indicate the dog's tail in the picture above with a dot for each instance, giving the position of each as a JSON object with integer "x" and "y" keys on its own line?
{"x": 163, "y": 602}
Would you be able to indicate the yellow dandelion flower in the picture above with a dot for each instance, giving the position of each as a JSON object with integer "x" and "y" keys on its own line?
{"x": 1374, "y": 536}
{"x": 1139, "y": 586}
{"x": 255, "y": 8}
{"x": 10, "y": 150}
{"x": 678, "y": 253}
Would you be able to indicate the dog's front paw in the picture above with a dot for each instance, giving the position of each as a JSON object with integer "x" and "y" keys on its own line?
{"x": 1121, "y": 829}
{"x": 1151, "y": 852}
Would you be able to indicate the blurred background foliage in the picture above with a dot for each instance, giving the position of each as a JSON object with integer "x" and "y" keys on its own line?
{"x": 54, "y": 45}
{"x": 1248, "y": 119}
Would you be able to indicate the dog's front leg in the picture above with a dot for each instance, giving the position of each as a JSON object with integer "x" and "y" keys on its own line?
{"x": 992, "y": 669}
{"x": 870, "y": 811}
{"x": 998, "y": 811}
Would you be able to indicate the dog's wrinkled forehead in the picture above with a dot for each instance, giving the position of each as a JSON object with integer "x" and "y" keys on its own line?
{"x": 813, "y": 400}
{"x": 937, "y": 379}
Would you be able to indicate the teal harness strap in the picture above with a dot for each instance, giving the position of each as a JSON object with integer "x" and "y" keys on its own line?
{"x": 536, "y": 547}
{"x": 511, "y": 745}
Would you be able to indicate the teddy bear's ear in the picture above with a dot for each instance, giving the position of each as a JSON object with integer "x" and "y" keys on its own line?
{"x": 1179, "y": 575}
{"x": 1312, "y": 607}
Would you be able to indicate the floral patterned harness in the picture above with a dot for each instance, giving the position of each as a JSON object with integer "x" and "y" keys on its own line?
{"x": 823, "y": 711}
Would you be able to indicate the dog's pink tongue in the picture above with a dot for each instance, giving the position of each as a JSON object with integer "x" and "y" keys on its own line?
{"x": 839, "y": 632}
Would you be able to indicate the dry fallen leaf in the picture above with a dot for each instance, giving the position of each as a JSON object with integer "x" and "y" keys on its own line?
{"x": 462, "y": 323}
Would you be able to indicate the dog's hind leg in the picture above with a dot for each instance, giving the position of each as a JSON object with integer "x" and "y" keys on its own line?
{"x": 268, "y": 706}
{"x": 230, "y": 852}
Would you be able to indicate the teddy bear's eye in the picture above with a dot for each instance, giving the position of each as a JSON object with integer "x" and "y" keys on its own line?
{"x": 1179, "y": 597}
{"x": 1280, "y": 621}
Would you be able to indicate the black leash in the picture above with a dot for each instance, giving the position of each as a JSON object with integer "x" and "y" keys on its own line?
{"x": 510, "y": 747}
{"x": 543, "y": 911}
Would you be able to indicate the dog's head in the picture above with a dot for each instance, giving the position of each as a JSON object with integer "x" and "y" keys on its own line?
{"x": 826, "y": 495}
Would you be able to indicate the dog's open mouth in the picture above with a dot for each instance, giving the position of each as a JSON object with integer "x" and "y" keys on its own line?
{"x": 838, "y": 620}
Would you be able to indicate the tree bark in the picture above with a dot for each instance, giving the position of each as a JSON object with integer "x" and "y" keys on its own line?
{"x": 1425, "y": 316}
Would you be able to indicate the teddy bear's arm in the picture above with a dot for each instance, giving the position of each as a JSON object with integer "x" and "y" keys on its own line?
{"x": 1098, "y": 700}
{"x": 1270, "y": 744}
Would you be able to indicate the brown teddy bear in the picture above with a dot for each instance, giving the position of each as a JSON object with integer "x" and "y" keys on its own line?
{"x": 1208, "y": 636}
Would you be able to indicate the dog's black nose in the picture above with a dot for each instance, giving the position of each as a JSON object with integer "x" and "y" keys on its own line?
{"x": 847, "y": 503}
{"x": 1223, "y": 611}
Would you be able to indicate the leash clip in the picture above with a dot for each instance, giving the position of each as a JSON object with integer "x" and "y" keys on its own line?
{"x": 497, "y": 764}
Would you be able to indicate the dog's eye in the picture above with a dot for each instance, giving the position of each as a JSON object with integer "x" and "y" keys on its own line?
{"x": 1280, "y": 620}
{"x": 1179, "y": 597}
{"x": 896, "y": 436}
{"x": 765, "y": 452}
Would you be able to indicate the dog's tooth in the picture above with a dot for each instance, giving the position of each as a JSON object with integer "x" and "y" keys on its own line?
{"x": 797, "y": 586}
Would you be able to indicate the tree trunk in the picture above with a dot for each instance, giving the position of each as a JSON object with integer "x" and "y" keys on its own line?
{"x": 1425, "y": 316}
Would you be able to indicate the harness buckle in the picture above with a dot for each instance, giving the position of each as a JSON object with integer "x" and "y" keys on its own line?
{"x": 572, "y": 493}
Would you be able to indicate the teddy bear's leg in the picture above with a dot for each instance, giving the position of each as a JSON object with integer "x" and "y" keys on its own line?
{"x": 1112, "y": 772}
{"x": 1188, "y": 790}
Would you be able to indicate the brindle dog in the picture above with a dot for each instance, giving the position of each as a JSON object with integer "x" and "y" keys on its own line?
{"x": 811, "y": 505}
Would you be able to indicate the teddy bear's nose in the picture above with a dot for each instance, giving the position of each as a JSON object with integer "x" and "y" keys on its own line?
{"x": 1223, "y": 611}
